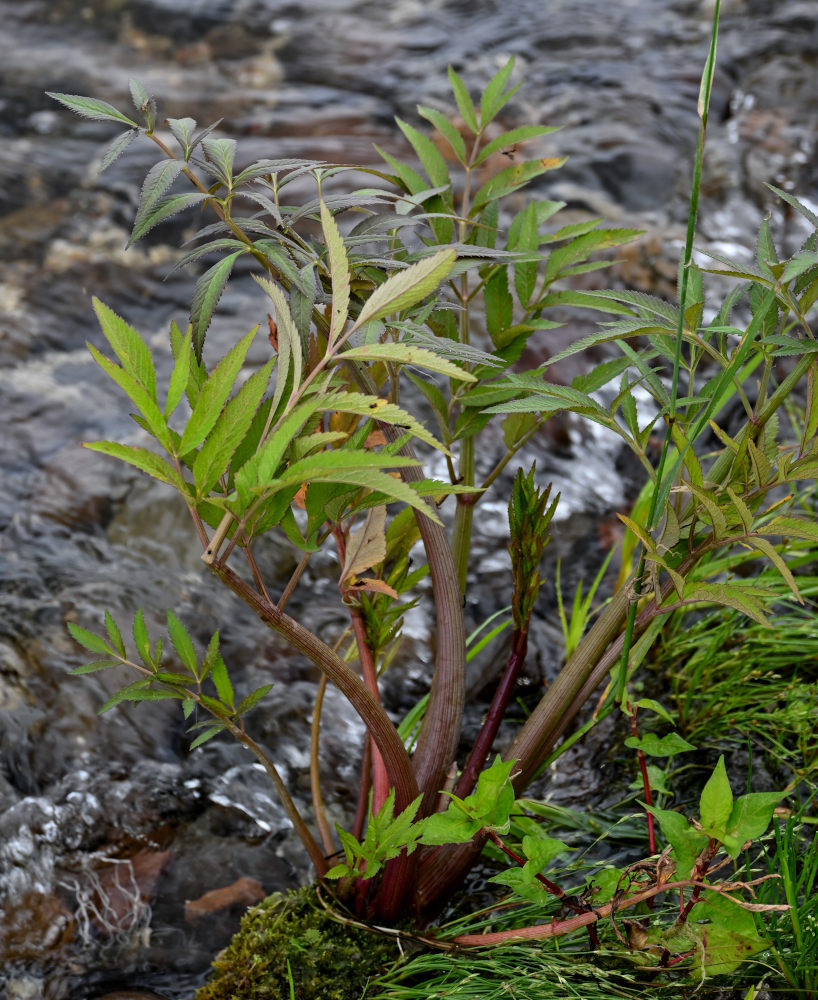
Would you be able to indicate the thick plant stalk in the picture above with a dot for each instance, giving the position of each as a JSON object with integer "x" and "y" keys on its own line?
{"x": 377, "y": 722}
{"x": 440, "y": 731}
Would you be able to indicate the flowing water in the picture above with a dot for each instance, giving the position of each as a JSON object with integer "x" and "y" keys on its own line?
{"x": 107, "y": 825}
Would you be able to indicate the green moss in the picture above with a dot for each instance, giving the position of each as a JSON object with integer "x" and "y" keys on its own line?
{"x": 328, "y": 960}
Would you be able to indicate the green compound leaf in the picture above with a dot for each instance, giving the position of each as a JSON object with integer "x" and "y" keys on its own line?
{"x": 91, "y": 107}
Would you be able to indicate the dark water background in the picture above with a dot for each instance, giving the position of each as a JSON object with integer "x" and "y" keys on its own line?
{"x": 107, "y": 825}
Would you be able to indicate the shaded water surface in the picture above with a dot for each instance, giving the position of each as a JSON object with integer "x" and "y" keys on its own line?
{"x": 107, "y": 825}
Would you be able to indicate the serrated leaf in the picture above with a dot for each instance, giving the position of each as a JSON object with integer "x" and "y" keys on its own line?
{"x": 221, "y": 679}
{"x": 141, "y": 458}
{"x": 206, "y": 295}
{"x": 407, "y": 287}
{"x": 807, "y": 213}
{"x": 91, "y": 107}
{"x": 512, "y": 178}
{"x": 92, "y": 642}
{"x": 339, "y": 273}
{"x": 165, "y": 209}
{"x": 220, "y": 154}
{"x": 499, "y": 304}
{"x": 428, "y": 154}
{"x": 290, "y": 354}
{"x": 182, "y": 130}
{"x": 792, "y": 527}
{"x": 154, "y": 420}
{"x": 117, "y": 147}
{"x": 182, "y": 643}
{"x": 578, "y": 249}
{"x": 208, "y": 734}
{"x": 447, "y": 130}
{"x": 253, "y": 698}
{"x": 114, "y": 634}
{"x": 407, "y": 354}
{"x": 728, "y": 595}
{"x": 128, "y": 346}
{"x": 141, "y": 639}
{"x": 659, "y": 746}
{"x": 214, "y": 394}
{"x": 229, "y": 431}
{"x": 513, "y": 137}
{"x": 157, "y": 181}
{"x": 777, "y": 560}
{"x": 464, "y": 101}
{"x": 90, "y": 668}
{"x": 495, "y": 95}
{"x": 181, "y": 370}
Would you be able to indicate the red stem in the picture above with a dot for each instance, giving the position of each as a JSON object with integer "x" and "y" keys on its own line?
{"x": 496, "y": 712}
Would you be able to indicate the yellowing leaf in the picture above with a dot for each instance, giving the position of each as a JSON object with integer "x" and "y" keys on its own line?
{"x": 366, "y": 546}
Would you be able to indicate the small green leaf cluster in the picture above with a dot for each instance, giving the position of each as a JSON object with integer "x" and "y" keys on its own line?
{"x": 731, "y": 823}
{"x": 159, "y": 682}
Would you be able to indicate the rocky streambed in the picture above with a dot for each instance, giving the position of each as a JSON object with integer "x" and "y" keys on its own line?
{"x": 124, "y": 860}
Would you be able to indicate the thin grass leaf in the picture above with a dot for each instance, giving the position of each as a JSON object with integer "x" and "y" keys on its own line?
{"x": 407, "y": 288}
{"x": 214, "y": 394}
{"x": 206, "y": 294}
{"x": 91, "y": 107}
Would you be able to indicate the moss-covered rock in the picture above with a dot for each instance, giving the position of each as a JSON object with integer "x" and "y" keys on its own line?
{"x": 327, "y": 960}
